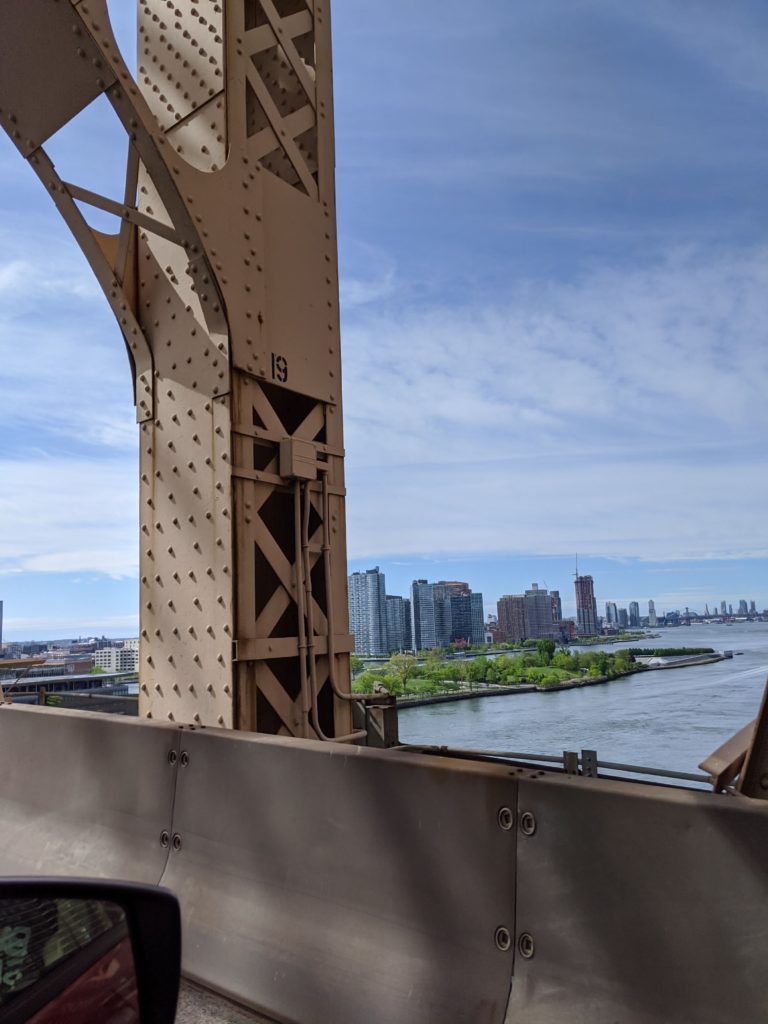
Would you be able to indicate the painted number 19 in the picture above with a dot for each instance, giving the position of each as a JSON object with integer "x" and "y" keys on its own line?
{"x": 279, "y": 368}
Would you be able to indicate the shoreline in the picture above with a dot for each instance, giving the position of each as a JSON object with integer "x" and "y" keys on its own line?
{"x": 567, "y": 684}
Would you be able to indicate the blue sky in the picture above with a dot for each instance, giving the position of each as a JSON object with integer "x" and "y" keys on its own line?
{"x": 553, "y": 230}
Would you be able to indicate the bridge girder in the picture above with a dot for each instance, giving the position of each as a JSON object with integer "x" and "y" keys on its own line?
{"x": 222, "y": 274}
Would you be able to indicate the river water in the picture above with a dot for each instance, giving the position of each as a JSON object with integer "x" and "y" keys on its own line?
{"x": 667, "y": 719}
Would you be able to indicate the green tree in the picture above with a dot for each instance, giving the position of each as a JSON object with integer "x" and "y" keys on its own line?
{"x": 493, "y": 673}
{"x": 403, "y": 667}
{"x": 546, "y": 650}
{"x": 565, "y": 661}
{"x": 476, "y": 670}
{"x": 356, "y": 664}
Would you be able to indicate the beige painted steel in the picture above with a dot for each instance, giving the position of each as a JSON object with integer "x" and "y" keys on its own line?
{"x": 222, "y": 273}
{"x": 84, "y": 794}
{"x": 645, "y": 904}
{"x": 321, "y": 882}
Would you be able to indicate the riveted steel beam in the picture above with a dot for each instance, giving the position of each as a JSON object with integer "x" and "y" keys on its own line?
{"x": 222, "y": 274}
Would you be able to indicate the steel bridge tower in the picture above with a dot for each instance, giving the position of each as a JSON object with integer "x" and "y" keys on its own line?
{"x": 222, "y": 274}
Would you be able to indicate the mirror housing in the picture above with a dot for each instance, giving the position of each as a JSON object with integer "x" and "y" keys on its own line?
{"x": 150, "y": 921}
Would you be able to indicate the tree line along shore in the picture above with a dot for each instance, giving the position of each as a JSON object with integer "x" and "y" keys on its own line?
{"x": 544, "y": 666}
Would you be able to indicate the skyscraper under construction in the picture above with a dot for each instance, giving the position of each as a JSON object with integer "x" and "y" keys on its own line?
{"x": 586, "y": 606}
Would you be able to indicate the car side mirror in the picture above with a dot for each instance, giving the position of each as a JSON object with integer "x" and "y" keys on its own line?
{"x": 76, "y": 951}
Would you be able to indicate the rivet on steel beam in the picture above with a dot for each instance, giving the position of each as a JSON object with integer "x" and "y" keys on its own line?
{"x": 176, "y": 842}
{"x": 526, "y": 945}
{"x": 503, "y": 939}
{"x": 172, "y": 757}
{"x": 527, "y": 823}
{"x": 164, "y": 837}
{"x": 184, "y": 759}
{"x": 506, "y": 819}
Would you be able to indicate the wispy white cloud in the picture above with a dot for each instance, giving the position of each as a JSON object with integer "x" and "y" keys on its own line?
{"x": 616, "y": 416}
{"x": 65, "y": 371}
{"x": 367, "y": 274}
{"x": 68, "y": 515}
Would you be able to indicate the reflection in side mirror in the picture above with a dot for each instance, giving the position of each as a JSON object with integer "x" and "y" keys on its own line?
{"x": 78, "y": 952}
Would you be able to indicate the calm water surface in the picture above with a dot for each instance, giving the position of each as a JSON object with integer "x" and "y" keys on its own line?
{"x": 668, "y": 719}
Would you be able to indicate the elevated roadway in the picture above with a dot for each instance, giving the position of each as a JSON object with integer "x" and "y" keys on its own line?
{"x": 321, "y": 882}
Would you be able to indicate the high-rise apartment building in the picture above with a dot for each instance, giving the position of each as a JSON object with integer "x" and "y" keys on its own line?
{"x": 752, "y": 608}
{"x": 398, "y": 623}
{"x": 586, "y": 606}
{"x": 743, "y": 608}
{"x": 723, "y": 609}
{"x": 611, "y": 614}
{"x": 455, "y": 586}
{"x": 538, "y": 614}
{"x": 407, "y": 625}
{"x": 623, "y": 618}
{"x": 652, "y": 620}
{"x": 513, "y": 624}
{"x": 467, "y": 618}
{"x": 634, "y": 614}
{"x": 444, "y": 613}
{"x": 116, "y": 659}
{"x": 557, "y": 606}
{"x": 441, "y": 595}
{"x": 422, "y": 616}
{"x": 368, "y": 611}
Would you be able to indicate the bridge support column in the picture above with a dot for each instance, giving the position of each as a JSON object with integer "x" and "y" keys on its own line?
{"x": 222, "y": 272}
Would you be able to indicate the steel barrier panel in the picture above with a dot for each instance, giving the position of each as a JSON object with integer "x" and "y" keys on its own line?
{"x": 643, "y": 904}
{"x": 322, "y": 883}
{"x": 84, "y": 794}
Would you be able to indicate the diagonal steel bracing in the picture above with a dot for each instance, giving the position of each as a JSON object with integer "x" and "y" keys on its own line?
{"x": 222, "y": 273}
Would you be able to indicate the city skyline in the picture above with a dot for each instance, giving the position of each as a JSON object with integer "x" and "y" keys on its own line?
{"x": 618, "y": 582}
{"x": 444, "y": 613}
{"x": 492, "y": 578}
{"x": 434, "y": 615}
{"x": 500, "y": 236}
